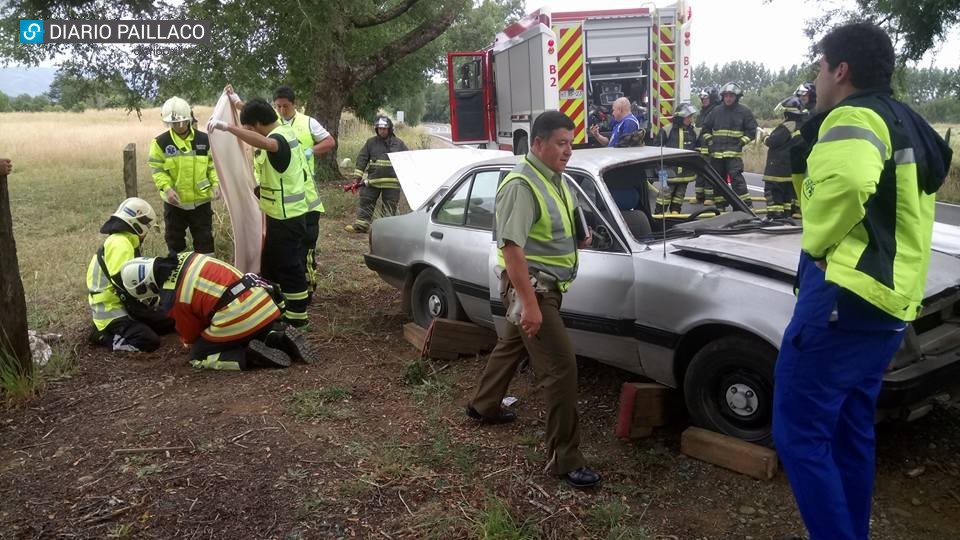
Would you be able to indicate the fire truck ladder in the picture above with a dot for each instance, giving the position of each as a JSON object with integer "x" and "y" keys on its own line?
{"x": 664, "y": 70}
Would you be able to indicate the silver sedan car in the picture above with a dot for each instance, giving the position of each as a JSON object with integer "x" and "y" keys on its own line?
{"x": 696, "y": 301}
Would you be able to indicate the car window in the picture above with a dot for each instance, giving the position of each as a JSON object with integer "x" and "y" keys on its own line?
{"x": 482, "y": 196}
{"x": 453, "y": 210}
{"x": 606, "y": 236}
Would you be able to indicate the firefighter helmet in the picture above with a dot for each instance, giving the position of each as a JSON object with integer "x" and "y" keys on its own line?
{"x": 138, "y": 214}
{"x": 790, "y": 105}
{"x": 382, "y": 122}
{"x": 804, "y": 89}
{"x": 685, "y": 110}
{"x": 137, "y": 278}
{"x": 731, "y": 88}
{"x": 704, "y": 92}
{"x": 176, "y": 110}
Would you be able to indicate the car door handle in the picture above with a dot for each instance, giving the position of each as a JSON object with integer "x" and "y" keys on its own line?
{"x": 436, "y": 234}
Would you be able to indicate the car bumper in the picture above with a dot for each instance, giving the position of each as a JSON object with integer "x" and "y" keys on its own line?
{"x": 910, "y": 392}
{"x": 392, "y": 272}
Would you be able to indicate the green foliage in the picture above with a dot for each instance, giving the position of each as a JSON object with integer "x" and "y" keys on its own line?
{"x": 496, "y": 523}
{"x": 317, "y": 403}
{"x": 437, "y": 99}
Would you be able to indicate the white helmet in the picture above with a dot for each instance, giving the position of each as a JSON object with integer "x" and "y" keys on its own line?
{"x": 175, "y": 110}
{"x": 138, "y": 214}
{"x": 731, "y": 88}
{"x": 685, "y": 110}
{"x": 137, "y": 278}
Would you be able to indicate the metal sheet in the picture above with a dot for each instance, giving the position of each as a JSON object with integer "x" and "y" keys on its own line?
{"x": 422, "y": 172}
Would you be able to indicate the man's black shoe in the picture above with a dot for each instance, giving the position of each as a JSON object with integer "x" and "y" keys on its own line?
{"x": 504, "y": 417}
{"x": 583, "y": 477}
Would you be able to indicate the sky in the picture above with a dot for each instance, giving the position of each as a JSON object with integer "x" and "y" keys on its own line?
{"x": 768, "y": 33}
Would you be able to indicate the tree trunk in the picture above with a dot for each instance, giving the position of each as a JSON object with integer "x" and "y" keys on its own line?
{"x": 327, "y": 106}
{"x": 14, "y": 344}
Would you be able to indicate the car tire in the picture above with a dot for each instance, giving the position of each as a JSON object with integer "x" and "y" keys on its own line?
{"x": 432, "y": 297}
{"x": 728, "y": 388}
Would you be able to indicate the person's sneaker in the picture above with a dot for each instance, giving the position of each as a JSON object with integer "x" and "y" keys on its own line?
{"x": 504, "y": 417}
{"x": 292, "y": 341}
{"x": 584, "y": 477}
{"x": 268, "y": 355}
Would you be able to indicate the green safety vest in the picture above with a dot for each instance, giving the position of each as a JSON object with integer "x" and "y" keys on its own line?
{"x": 184, "y": 164}
{"x": 863, "y": 208}
{"x": 551, "y": 245}
{"x": 105, "y": 305}
{"x": 301, "y": 127}
{"x": 282, "y": 195}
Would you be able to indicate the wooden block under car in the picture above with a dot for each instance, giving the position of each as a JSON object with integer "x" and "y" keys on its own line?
{"x": 644, "y": 406}
{"x": 442, "y": 349}
{"x": 463, "y": 337}
{"x": 731, "y": 453}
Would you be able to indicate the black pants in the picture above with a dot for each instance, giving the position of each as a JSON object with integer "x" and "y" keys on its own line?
{"x": 312, "y": 223}
{"x": 368, "y": 201}
{"x": 780, "y": 198}
{"x": 230, "y": 356}
{"x": 199, "y": 221}
{"x": 283, "y": 261}
{"x": 733, "y": 167}
{"x": 126, "y": 334}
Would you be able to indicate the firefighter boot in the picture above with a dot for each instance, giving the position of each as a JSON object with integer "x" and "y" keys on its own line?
{"x": 291, "y": 341}
{"x": 259, "y": 354}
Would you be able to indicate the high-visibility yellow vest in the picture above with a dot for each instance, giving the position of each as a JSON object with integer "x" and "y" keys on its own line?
{"x": 184, "y": 164}
{"x": 105, "y": 305}
{"x": 551, "y": 244}
{"x": 301, "y": 127}
{"x": 282, "y": 195}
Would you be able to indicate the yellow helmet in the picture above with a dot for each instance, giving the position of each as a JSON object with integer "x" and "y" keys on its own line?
{"x": 175, "y": 110}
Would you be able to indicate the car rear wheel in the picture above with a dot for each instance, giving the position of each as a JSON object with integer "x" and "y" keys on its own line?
{"x": 728, "y": 388}
{"x": 432, "y": 297}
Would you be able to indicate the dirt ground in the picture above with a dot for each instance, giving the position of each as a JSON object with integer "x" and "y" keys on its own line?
{"x": 367, "y": 443}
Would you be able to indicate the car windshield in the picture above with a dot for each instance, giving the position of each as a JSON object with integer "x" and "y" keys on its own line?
{"x": 659, "y": 200}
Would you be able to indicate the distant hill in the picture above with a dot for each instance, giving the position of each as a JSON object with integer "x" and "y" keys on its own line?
{"x": 20, "y": 80}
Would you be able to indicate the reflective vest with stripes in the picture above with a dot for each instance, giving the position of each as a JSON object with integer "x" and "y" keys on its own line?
{"x": 551, "y": 244}
{"x": 282, "y": 195}
{"x": 184, "y": 165}
{"x": 301, "y": 127}
{"x": 105, "y": 305}
{"x": 197, "y": 284}
{"x": 864, "y": 210}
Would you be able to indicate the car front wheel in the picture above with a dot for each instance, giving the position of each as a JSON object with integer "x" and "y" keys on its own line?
{"x": 432, "y": 297}
{"x": 728, "y": 388}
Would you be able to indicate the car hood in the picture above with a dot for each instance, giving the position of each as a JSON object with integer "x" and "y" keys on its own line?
{"x": 780, "y": 254}
{"x": 946, "y": 239}
{"x": 422, "y": 172}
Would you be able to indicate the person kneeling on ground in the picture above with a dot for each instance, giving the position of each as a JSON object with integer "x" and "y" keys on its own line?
{"x": 120, "y": 321}
{"x": 231, "y": 320}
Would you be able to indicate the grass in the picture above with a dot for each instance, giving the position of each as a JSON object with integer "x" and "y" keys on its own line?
{"x": 496, "y": 523}
{"x": 17, "y": 387}
{"x": 318, "y": 403}
{"x": 62, "y": 193}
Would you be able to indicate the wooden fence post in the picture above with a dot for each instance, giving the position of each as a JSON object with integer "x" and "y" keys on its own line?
{"x": 14, "y": 344}
{"x": 130, "y": 169}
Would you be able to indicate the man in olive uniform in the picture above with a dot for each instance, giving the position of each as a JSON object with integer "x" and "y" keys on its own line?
{"x": 381, "y": 181}
{"x": 183, "y": 171}
{"x": 532, "y": 202}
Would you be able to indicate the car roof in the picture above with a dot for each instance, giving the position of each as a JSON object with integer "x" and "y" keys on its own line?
{"x": 596, "y": 160}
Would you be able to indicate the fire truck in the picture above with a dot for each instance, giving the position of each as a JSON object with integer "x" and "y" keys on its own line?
{"x": 577, "y": 62}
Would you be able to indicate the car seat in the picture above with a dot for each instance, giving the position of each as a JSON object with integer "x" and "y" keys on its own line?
{"x": 628, "y": 201}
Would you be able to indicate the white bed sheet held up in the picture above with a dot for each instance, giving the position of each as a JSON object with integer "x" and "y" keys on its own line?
{"x": 234, "y": 166}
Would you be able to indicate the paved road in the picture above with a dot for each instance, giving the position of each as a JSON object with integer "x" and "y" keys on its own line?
{"x": 946, "y": 212}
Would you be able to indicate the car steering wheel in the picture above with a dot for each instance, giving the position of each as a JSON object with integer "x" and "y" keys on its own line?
{"x": 602, "y": 238}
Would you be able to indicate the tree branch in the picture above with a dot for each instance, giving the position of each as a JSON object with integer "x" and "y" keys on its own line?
{"x": 387, "y": 15}
{"x": 408, "y": 43}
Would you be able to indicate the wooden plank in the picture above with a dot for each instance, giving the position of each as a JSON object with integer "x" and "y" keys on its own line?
{"x": 463, "y": 337}
{"x": 740, "y": 456}
{"x": 414, "y": 334}
{"x": 644, "y": 406}
{"x": 130, "y": 170}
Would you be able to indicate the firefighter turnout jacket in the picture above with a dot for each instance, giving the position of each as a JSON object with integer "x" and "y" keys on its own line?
{"x": 676, "y": 135}
{"x": 373, "y": 161}
{"x": 105, "y": 305}
{"x": 868, "y": 198}
{"x": 193, "y": 292}
{"x": 780, "y": 143}
{"x": 727, "y": 129}
{"x": 184, "y": 164}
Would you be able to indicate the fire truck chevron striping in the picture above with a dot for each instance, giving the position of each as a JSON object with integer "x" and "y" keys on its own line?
{"x": 571, "y": 75}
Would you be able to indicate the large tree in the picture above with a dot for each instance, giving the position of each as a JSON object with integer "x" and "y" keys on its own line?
{"x": 331, "y": 51}
{"x": 14, "y": 344}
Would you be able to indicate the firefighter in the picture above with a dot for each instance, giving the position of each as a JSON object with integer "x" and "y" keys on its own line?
{"x": 680, "y": 134}
{"x": 777, "y": 184}
{"x": 709, "y": 98}
{"x": 726, "y": 130}
{"x": 315, "y": 141}
{"x": 230, "y": 320}
{"x": 183, "y": 171}
{"x": 868, "y": 195}
{"x": 120, "y": 322}
{"x": 624, "y": 124}
{"x": 282, "y": 193}
{"x": 807, "y": 93}
{"x": 381, "y": 180}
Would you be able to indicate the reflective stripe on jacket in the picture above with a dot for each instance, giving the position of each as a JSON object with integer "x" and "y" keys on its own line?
{"x": 105, "y": 305}
{"x": 727, "y": 129}
{"x": 200, "y": 281}
{"x": 551, "y": 244}
{"x": 184, "y": 165}
{"x": 282, "y": 194}
{"x": 864, "y": 210}
{"x": 676, "y": 135}
{"x": 373, "y": 161}
{"x": 780, "y": 142}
